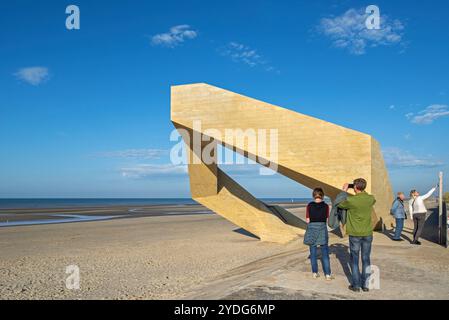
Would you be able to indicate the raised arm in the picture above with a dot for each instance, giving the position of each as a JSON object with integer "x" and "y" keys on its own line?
{"x": 345, "y": 205}
{"x": 428, "y": 194}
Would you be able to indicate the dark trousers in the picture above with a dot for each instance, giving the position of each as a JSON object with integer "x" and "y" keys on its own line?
{"x": 419, "y": 219}
{"x": 359, "y": 245}
{"x": 399, "y": 228}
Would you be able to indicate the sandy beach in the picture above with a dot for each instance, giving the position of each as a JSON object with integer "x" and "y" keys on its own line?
{"x": 173, "y": 252}
{"x": 153, "y": 257}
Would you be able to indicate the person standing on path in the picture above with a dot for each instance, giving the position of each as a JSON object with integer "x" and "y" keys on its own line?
{"x": 317, "y": 215}
{"x": 398, "y": 212}
{"x": 360, "y": 230}
{"x": 418, "y": 212}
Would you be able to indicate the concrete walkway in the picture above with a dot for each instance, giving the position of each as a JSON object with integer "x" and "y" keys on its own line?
{"x": 406, "y": 272}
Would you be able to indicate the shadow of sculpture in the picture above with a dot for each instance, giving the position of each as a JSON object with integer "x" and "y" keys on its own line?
{"x": 431, "y": 227}
{"x": 246, "y": 233}
{"x": 287, "y": 217}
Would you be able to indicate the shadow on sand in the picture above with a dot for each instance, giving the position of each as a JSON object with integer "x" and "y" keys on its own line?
{"x": 431, "y": 227}
{"x": 341, "y": 252}
{"x": 390, "y": 234}
{"x": 246, "y": 233}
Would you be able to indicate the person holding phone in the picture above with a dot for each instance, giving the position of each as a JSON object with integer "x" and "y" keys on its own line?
{"x": 360, "y": 230}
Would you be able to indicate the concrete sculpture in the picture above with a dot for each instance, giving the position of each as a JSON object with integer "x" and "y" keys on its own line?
{"x": 309, "y": 151}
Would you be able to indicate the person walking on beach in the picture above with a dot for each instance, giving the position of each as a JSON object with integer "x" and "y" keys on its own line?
{"x": 418, "y": 212}
{"x": 317, "y": 214}
{"x": 398, "y": 212}
{"x": 360, "y": 230}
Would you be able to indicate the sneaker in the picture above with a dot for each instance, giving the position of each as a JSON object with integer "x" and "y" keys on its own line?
{"x": 354, "y": 289}
{"x": 398, "y": 240}
{"x": 315, "y": 275}
{"x": 365, "y": 289}
{"x": 329, "y": 277}
{"x": 416, "y": 243}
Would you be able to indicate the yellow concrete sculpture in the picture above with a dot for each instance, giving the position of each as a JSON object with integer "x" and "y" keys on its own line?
{"x": 309, "y": 151}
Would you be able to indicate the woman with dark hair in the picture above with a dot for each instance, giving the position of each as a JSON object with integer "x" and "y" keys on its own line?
{"x": 317, "y": 214}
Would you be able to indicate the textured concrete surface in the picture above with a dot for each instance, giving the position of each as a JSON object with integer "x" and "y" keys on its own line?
{"x": 310, "y": 151}
{"x": 406, "y": 272}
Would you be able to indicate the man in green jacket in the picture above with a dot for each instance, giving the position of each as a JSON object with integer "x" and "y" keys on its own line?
{"x": 360, "y": 230}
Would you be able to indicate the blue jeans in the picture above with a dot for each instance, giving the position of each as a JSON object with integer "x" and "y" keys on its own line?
{"x": 357, "y": 244}
{"x": 324, "y": 259}
{"x": 398, "y": 230}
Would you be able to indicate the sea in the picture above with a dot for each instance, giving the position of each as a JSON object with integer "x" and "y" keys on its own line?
{"x": 111, "y": 202}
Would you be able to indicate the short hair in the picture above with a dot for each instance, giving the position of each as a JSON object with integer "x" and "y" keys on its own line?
{"x": 318, "y": 193}
{"x": 360, "y": 184}
{"x": 400, "y": 193}
{"x": 412, "y": 192}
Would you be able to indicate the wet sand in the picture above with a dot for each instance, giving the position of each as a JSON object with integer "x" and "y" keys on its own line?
{"x": 27, "y": 216}
{"x": 10, "y": 217}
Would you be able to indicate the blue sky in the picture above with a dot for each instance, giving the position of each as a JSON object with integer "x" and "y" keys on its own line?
{"x": 85, "y": 113}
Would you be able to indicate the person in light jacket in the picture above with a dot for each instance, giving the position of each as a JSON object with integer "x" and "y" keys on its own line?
{"x": 418, "y": 211}
{"x": 398, "y": 212}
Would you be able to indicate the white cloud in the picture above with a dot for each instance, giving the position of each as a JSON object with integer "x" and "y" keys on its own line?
{"x": 397, "y": 158}
{"x": 135, "y": 154}
{"x": 348, "y": 31}
{"x": 175, "y": 36}
{"x": 429, "y": 115}
{"x": 241, "y": 53}
{"x": 409, "y": 115}
{"x": 33, "y": 75}
{"x": 149, "y": 170}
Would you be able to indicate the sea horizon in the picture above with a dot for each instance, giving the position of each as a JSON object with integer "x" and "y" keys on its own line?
{"x": 37, "y": 203}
